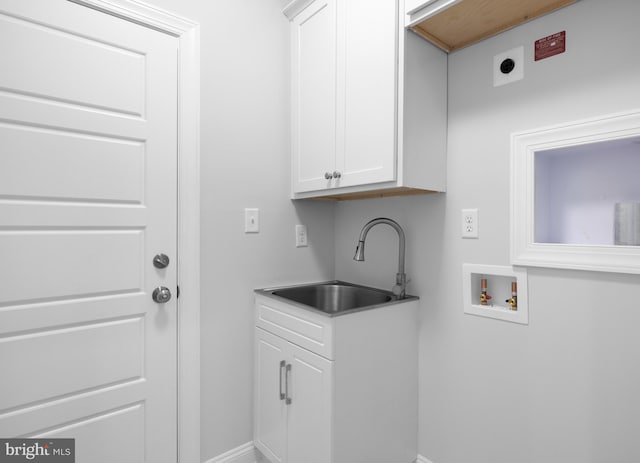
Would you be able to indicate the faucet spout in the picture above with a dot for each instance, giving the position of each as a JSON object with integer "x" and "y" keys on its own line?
{"x": 359, "y": 252}
{"x": 401, "y": 278}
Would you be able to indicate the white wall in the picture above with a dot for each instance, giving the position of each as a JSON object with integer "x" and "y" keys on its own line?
{"x": 245, "y": 163}
{"x": 565, "y": 387}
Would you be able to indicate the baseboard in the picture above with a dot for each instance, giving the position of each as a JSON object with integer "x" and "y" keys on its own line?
{"x": 247, "y": 453}
{"x": 244, "y": 454}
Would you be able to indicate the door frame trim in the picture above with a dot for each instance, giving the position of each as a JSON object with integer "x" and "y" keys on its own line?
{"x": 188, "y": 34}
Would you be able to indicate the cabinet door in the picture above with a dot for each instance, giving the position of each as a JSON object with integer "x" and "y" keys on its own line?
{"x": 367, "y": 91}
{"x": 313, "y": 113}
{"x": 310, "y": 411}
{"x": 270, "y": 407}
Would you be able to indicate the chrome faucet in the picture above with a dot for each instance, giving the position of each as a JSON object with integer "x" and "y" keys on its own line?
{"x": 401, "y": 278}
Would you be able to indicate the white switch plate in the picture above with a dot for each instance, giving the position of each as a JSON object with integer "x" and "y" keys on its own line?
{"x": 251, "y": 220}
{"x": 301, "y": 236}
{"x": 469, "y": 223}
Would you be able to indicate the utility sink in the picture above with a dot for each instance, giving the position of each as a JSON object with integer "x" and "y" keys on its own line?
{"x": 335, "y": 297}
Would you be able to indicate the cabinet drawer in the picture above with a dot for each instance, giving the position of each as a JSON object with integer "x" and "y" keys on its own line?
{"x": 301, "y": 327}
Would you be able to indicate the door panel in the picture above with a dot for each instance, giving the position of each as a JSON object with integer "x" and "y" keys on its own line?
{"x": 77, "y": 411}
{"x": 270, "y": 413}
{"x": 314, "y": 95}
{"x": 34, "y": 173}
{"x": 41, "y": 263}
{"x": 310, "y": 420}
{"x": 50, "y": 50}
{"x": 367, "y": 106}
{"x": 124, "y": 425}
{"x": 87, "y": 198}
{"x": 45, "y": 361}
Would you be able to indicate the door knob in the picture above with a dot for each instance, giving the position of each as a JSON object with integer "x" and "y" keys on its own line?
{"x": 161, "y": 261}
{"x": 328, "y": 175}
{"x": 161, "y": 295}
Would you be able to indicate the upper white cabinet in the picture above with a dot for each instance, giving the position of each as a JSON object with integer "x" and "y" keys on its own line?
{"x": 368, "y": 102}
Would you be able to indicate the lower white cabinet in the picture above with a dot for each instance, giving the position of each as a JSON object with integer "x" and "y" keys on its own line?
{"x": 293, "y": 384}
{"x": 337, "y": 389}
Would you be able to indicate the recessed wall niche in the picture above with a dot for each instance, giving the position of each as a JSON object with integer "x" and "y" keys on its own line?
{"x": 575, "y": 195}
{"x": 499, "y": 280}
{"x": 577, "y": 189}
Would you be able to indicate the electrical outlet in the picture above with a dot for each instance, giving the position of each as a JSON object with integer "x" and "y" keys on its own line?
{"x": 470, "y": 223}
{"x": 301, "y": 236}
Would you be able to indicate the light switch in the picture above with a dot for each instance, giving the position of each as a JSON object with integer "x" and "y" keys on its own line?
{"x": 251, "y": 220}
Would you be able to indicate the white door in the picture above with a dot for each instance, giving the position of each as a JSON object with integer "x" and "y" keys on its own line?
{"x": 87, "y": 199}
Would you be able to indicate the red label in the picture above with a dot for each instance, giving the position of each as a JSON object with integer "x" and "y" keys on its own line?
{"x": 551, "y": 45}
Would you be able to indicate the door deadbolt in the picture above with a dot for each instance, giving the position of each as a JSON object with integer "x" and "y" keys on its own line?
{"x": 161, "y": 261}
{"x": 161, "y": 295}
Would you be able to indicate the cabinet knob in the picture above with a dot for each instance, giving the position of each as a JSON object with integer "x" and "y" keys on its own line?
{"x": 336, "y": 174}
{"x": 328, "y": 175}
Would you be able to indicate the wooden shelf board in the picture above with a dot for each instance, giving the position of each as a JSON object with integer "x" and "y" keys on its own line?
{"x": 400, "y": 191}
{"x": 471, "y": 21}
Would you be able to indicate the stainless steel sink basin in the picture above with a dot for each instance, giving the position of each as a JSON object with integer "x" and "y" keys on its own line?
{"x": 334, "y": 297}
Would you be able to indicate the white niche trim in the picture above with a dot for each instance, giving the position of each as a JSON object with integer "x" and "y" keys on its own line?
{"x": 537, "y": 156}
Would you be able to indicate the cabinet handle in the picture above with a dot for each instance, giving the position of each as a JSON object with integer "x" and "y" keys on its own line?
{"x": 287, "y": 375}
{"x": 336, "y": 174}
{"x": 282, "y": 365}
{"x": 328, "y": 175}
